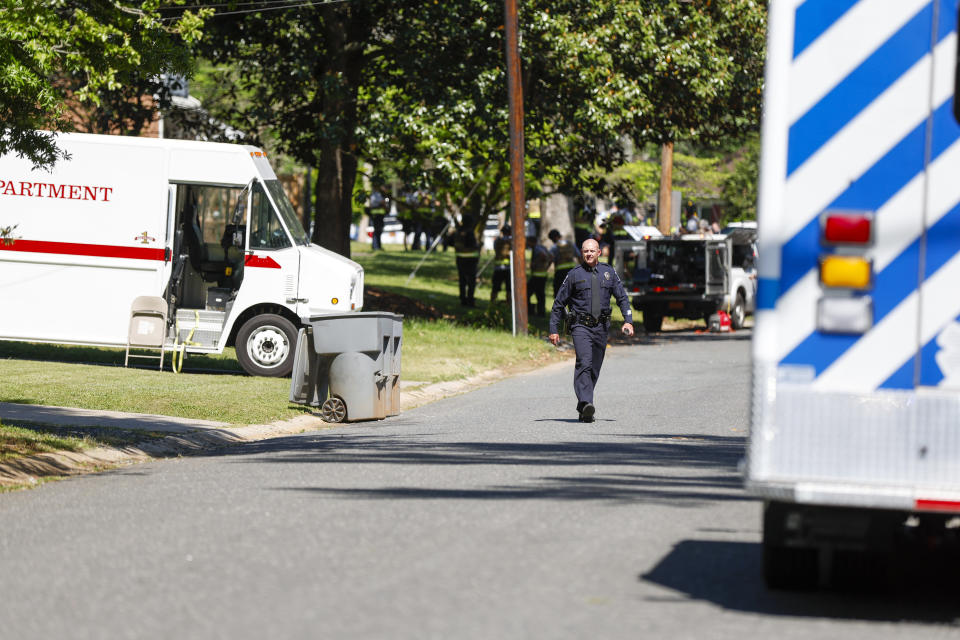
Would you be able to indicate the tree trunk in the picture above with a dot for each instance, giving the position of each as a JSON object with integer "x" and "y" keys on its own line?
{"x": 556, "y": 214}
{"x": 333, "y": 212}
{"x": 337, "y": 162}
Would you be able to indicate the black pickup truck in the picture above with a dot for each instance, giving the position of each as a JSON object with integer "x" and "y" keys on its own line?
{"x": 691, "y": 276}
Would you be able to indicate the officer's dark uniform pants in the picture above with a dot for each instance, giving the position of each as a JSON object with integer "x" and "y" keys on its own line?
{"x": 467, "y": 275}
{"x": 590, "y": 343}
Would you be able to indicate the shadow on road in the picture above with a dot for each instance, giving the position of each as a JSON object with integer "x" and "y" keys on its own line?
{"x": 672, "y": 336}
{"x": 729, "y": 574}
{"x": 685, "y": 472}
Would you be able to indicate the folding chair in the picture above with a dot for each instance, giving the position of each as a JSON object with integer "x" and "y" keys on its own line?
{"x": 148, "y": 327}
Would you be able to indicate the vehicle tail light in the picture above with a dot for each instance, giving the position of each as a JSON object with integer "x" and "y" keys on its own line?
{"x": 846, "y": 228}
{"x": 845, "y": 272}
{"x": 845, "y": 314}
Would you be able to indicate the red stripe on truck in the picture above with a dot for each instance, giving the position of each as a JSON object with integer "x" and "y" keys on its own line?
{"x": 78, "y": 249}
{"x": 260, "y": 261}
{"x": 938, "y": 505}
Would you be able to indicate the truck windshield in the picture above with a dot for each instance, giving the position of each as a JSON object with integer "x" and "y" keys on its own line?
{"x": 285, "y": 209}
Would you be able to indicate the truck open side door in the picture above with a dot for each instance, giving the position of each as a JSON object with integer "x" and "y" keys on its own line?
{"x": 717, "y": 260}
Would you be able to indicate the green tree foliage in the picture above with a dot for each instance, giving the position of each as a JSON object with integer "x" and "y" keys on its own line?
{"x": 54, "y": 49}
{"x": 740, "y": 189}
{"x": 422, "y": 86}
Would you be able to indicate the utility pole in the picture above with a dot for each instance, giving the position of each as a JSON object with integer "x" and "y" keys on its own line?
{"x": 518, "y": 213}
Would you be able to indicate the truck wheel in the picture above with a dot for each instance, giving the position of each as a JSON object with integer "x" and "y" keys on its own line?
{"x": 266, "y": 345}
{"x": 652, "y": 321}
{"x": 739, "y": 312}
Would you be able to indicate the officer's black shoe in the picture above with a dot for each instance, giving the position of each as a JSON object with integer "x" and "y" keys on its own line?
{"x": 586, "y": 415}
{"x": 580, "y": 406}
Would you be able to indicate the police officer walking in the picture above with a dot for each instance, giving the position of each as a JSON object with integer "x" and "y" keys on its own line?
{"x": 587, "y": 290}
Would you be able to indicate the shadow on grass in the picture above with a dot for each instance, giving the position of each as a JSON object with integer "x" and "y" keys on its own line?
{"x": 77, "y": 354}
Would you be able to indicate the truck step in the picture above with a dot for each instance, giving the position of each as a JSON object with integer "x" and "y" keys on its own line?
{"x": 206, "y": 326}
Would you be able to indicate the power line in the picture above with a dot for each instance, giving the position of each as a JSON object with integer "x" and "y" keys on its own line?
{"x": 236, "y": 5}
{"x": 263, "y": 5}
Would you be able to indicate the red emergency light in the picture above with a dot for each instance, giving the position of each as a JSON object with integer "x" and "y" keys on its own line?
{"x": 847, "y": 228}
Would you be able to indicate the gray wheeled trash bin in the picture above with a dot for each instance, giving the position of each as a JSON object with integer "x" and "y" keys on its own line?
{"x": 349, "y": 365}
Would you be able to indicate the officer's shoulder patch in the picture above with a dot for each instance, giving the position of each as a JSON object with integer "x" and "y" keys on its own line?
{"x": 606, "y": 274}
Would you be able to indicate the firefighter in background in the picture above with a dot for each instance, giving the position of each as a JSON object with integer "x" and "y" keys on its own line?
{"x": 467, "y": 249}
{"x": 565, "y": 257}
{"x": 405, "y": 206}
{"x": 540, "y": 260}
{"x": 377, "y": 206}
{"x": 615, "y": 233}
{"x": 532, "y": 227}
{"x": 501, "y": 260}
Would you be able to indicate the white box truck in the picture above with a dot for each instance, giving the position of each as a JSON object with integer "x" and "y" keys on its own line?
{"x": 855, "y": 434}
{"x": 204, "y": 225}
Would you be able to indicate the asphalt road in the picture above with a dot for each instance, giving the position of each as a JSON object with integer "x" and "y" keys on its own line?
{"x": 490, "y": 515}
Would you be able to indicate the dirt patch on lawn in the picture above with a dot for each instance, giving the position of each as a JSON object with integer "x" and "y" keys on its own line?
{"x": 379, "y": 300}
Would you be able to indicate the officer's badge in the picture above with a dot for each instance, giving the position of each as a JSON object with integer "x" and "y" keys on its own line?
{"x": 606, "y": 274}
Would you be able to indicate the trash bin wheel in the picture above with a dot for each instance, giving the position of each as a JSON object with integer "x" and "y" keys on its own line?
{"x": 333, "y": 410}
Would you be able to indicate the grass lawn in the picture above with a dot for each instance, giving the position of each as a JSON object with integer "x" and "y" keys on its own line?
{"x": 215, "y": 388}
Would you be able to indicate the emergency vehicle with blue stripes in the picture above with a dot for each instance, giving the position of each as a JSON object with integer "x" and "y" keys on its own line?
{"x": 856, "y": 393}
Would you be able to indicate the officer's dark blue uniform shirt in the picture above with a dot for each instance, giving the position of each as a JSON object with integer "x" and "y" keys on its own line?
{"x": 576, "y": 291}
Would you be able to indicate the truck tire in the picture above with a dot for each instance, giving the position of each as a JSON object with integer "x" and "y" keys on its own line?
{"x": 739, "y": 312}
{"x": 652, "y": 321}
{"x": 266, "y": 345}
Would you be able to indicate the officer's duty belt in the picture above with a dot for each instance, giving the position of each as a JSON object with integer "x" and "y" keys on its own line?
{"x": 588, "y": 320}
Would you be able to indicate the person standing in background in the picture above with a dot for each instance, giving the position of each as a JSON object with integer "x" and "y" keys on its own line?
{"x": 467, "y": 249}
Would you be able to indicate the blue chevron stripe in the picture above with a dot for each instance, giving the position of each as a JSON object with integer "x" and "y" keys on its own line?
{"x": 813, "y": 18}
{"x": 768, "y": 290}
{"x": 902, "y": 378}
{"x": 871, "y": 190}
{"x": 874, "y": 76}
{"x": 930, "y": 374}
{"x": 947, "y": 18}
